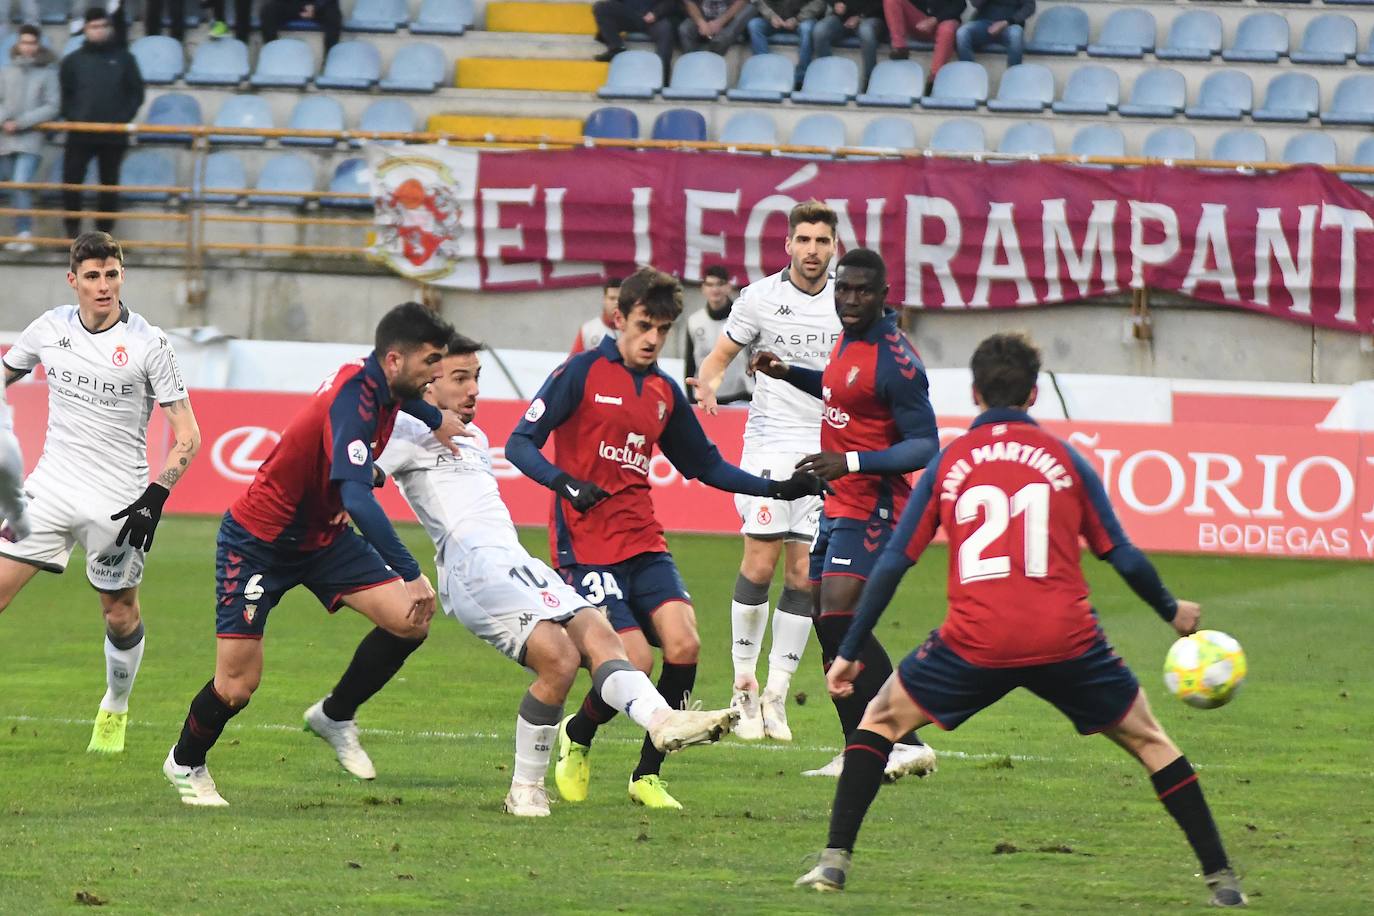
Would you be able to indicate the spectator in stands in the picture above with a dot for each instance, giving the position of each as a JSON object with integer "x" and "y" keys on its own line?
{"x": 704, "y": 329}
{"x": 853, "y": 17}
{"x": 718, "y": 24}
{"x": 114, "y": 10}
{"x": 775, "y": 16}
{"x": 324, "y": 13}
{"x": 176, "y": 12}
{"x": 656, "y": 17}
{"x": 928, "y": 20}
{"x": 29, "y": 95}
{"x": 994, "y": 22}
{"x": 28, "y": 12}
{"x": 603, "y": 325}
{"x": 100, "y": 81}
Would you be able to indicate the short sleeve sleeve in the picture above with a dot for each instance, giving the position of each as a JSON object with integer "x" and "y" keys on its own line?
{"x": 164, "y": 375}
{"x": 743, "y": 324}
{"x": 23, "y": 355}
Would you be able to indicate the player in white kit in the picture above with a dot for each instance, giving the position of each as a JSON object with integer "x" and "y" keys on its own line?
{"x": 106, "y": 367}
{"x": 792, "y": 311}
{"x": 513, "y": 601}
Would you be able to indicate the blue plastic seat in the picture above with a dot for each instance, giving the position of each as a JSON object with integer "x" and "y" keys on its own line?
{"x": 350, "y": 177}
{"x": 891, "y": 133}
{"x": 1226, "y": 95}
{"x": 829, "y": 81}
{"x": 55, "y": 177}
{"x": 160, "y": 59}
{"x": 1366, "y": 57}
{"x": 351, "y": 65}
{"x": 173, "y": 109}
{"x": 443, "y": 17}
{"x": 611, "y": 124}
{"x": 1028, "y": 138}
{"x": 416, "y": 67}
{"x": 1024, "y": 87}
{"x": 1158, "y": 93}
{"x": 1091, "y": 89}
{"x": 1290, "y": 97}
{"x": 243, "y": 111}
{"x": 219, "y": 63}
{"x": 1353, "y": 101}
{"x": 224, "y": 174}
{"x": 1260, "y": 38}
{"x": 284, "y": 172}
{"x": 53, "y": 12}
{"x": 1170, "y": 143}
{"x": 763, "y": 78}
{"x": 894, "y": 84}
{"x": 1329, "y": 39}
{"x": 387, "y": 116}
{"x": 287, "y": 62}
{"x": 823, "y": 130}
{"x": 1241, "y": 146}
{"x": 1059, "y": 30}
{"x": 749, "y": 127}
{"x": 1364, "y": 155}
{"x": 377, "y": 16}
{"x": 1126, "y": 33}
{"x": 960, "y": 85}
{"x": 314, "y": 112}
{"x": 1098, "y": 140}
{"x": 150, "y": 168}
{"x": 679, "y": 124}
{"x": 958, "y": 135}
{"x": 1194, "y": 35}
{"x": 633, "y": 75}
{"x": 1310, "y": 147}
{"x": 698, "y": 75}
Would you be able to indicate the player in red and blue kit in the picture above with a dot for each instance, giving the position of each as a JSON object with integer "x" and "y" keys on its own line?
{"x": 1014, "y": 501}
{"x": 878, "y": 426}
{"x": 291, "y": 528}
{"x": 607, "y": 409}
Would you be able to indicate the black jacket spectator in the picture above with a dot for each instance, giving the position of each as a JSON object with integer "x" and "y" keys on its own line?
{"x": 1014, "y": 11}
{"x": 656, "y": 17}
{"x": 325, "y": 13}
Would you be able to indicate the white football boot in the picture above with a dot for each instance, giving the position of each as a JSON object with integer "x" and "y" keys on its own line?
{"x": 909, "y": 760}
{"x": 685, "y": 727}
{"x": 831, "y": 769}
{"x": 775, "y": 716}
{"x": 343, "y": 737}
{"x": 527, "y": 799}
{"x": 193, "y": 783}
{"x": 746, "y": 702}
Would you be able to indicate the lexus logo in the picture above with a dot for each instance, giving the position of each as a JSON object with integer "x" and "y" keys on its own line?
{"x": 239, "y": 452}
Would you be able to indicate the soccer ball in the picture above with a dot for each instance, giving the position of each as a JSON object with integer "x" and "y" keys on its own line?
{"x": 1205, "y": 669}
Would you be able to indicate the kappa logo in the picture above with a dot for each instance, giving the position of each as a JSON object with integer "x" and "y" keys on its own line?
{"x": 120, "y": 357}
{"x": 784, "y": 310}
{"x": 65, "y": 343}
{"x": 525, "y": 619}
{"x": 238, "y": 453}
{"x": 607, "y": 399}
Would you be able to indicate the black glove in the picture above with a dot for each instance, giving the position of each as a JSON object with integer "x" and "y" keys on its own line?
{"x": 797, "y": 486}
{"x": 141, "y": 518}
{"x": 582, "y": 494}
{"x": 378, "y": 477}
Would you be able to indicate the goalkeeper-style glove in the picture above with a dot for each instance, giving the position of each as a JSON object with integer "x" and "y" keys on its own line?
{"x": 582, "y": 494}
{"x": 797, "y": 486}
{"x": 141, "y": 518}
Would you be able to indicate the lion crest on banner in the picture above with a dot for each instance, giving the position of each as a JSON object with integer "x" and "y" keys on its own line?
{"x": 418, "y": 216}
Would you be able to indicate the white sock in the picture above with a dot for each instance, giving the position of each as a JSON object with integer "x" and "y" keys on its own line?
{"x": 747, "y": 623}
{"x": 121, "y": 667}
{"x": 533, "y": 746}
{"x": 790, "y": 635}
{"x": 631, "y": 690}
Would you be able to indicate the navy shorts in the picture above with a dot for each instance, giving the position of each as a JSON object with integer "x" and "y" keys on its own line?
{"x": 1095, "y": 690}
{"x": 251, "y": 575}
{"x": 848, "y": 547}
{"x": 630, "y": 591}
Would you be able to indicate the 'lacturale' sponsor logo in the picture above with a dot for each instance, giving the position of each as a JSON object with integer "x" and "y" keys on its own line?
{"x": 633, "y": 455}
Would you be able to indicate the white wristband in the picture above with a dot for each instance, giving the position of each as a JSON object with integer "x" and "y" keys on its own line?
{"x": 851, "y": 460}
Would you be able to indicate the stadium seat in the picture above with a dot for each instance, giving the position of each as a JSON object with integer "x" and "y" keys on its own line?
{"x": 1290, "y": 97}
{"x": 377, "y": 16}
{"x": 1029, "y": 138}
{"x": 287, "y": 63}
{"x": 55, "y": 177}
{"x": 223, "y": 170}
{"x": 1170, "y": 143}
{"x": 894, "y": 84}
{"x": 284, "y": 172}
{"x": 829, "y": 81}
{"x": 1353, "y": 101}
{"x": 1098, "y": 140}
{"x": 1329, "y": 39}
{"x": 1261, "y": 38}
{"x": 1226, "y": 95}
{"x": 961, "y": 85}
{"x": 387, "y": 116}
{"x": 679, "y": 124}
{"x": 1059, "y": 30}
{"x": 150, "y": 168}
{"x": 1309, "y": 147}
{"x": 958, "y": 135}
{"x": 1364, "y": 155}
{"x": 1126, "y": 33}
{"x": 1366, "y": 57}
{"x": 1194, "y": 35}
{"x": 314, "y": 112}
{"x": 1241, "y": 146}
{"x": 824, "y": 130}
{"x": 1160, "y": 92}
{"x": 173, "y": 109}
{"x": 416, "y": 67}
{"x": 1024, "y": 87}
{"x": 443, "y": 17}
{"x": 160, "y": 59}
{"x": 53, "y": 12}
{"x": 350, "y": 177}
{"x": 243, "y": 111}
{"x": 763, "y": 78}
{"x": 611, "y": 124}
{"x": 698, "y": 75}
{"x": 219, "y": 63}
{"x": 633, "y": 75}
{"x": 351, "y": 65}
{"x": 1091, "y": 89}
{"x": 889, "y": 133}
{"x": 749, "y": 127}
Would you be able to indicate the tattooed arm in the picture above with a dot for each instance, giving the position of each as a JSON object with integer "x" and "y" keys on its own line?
{"x": 186, "y": 441}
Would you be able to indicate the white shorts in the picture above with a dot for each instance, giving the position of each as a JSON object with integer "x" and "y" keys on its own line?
{"x": 61, "y": 519}
{"x": 500, "y": 593}
{"x": 772, "y": 519}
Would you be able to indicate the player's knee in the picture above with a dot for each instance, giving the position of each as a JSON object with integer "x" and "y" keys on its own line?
{"x": 237, "y": 690}
{"x": 409, "y": 629}
{"x": 682, "y": 648}
{"x": 756, "y": 569}
{"x": 561, "y": 669}
{"x": 121, "y": 613}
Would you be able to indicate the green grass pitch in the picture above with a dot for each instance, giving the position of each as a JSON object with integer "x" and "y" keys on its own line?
{"x": 1287, "y": 768}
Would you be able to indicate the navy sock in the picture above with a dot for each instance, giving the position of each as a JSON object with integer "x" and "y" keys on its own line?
{"x": 865, "y": 758}
{"x": 378, "y": 657}
{"x": 675, "y": 683}
{"x": 1179, "y": 791}
{"x": 594, "y": 713}
{"x": 205, "y": 722}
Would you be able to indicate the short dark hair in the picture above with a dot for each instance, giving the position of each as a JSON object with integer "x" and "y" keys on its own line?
{"x": 811, "y": 211}
{"x": 95, "y": 14}
{"x": 865, "y": 258}
{"x": 462, "y": 345}
{"x": 410, "y": 325}
{"x": 29, "y": 28}
{"x": 611, "y": 283}
{"x": 1005, "y": 367}
{"x": 659, "y": 293}
{"x": 719, "y": 272}
{"x": 95, "y": 246}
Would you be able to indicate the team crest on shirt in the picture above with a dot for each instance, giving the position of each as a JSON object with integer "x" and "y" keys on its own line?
{"x": 249, "y": 612}
{"x": 120, "y": 356}
{"x": 662, "y": 410}
{"x": 853, "y": 374}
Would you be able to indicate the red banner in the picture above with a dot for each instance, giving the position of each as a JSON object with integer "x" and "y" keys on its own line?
{"x": 955, "y": 234}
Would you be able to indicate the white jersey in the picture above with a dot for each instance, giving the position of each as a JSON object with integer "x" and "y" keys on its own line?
{"x": 774, "y": 315}
{"x": 592, "y": 332}
{"x": 101, "y": 389}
